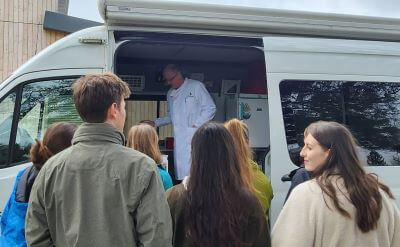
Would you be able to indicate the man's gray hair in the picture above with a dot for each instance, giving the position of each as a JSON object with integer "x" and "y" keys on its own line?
{"x": 171, "y": 68}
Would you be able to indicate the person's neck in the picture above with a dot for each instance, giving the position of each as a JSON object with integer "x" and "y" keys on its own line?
{"x": 180, "y": 85}
{"x": 112, "y": 123}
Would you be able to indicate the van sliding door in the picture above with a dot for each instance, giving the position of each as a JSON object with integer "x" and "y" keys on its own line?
{"x": 356, "y": 83}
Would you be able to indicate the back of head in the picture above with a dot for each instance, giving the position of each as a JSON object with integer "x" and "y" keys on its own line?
{"x": 94, "y": 94}
{"x": 171, "y": 68}
{"x": 240, "y": 134}
{"x": 215, "y": 188}
{"x": 57, "y": 138}
{"x": 143, "y": 138}
{"x": 343, "y": 160}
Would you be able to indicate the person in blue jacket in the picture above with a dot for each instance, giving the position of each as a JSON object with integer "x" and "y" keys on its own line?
{"x": 143, "y": 138}
{"x": 57, "y": 138}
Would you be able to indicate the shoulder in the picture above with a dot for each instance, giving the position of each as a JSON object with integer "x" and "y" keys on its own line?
{"x": 302, "y": 174}
{"x": 131, "y": 154}
{"x": 131, "y": 162}
{"x": 176, "y": 192}
{"x": 169, "y": 92}
{"x": 388, "y": 203}
{"x": 195, "y": 84}
{"x": 260, "y": 179}
{"x": 176, "y": 195}
{"x": 251, "y": 201}
{"x": 306, "y": 192}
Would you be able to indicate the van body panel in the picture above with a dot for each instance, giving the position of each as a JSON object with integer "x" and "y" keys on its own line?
{"x": 294, "y": 59}
{"x": 332, "y": 56}
{"x": 67, "y": 53}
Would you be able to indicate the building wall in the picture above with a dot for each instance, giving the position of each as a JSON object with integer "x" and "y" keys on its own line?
{"x": 21, "y": 31}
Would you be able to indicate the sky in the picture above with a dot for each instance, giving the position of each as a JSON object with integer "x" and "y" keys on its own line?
{"x": 87, "y": 9}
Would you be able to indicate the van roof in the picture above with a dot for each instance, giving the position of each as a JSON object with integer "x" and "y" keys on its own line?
{"x": 245, "y": 21}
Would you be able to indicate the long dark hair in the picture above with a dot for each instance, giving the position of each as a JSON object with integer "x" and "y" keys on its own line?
{"x": 57, "y": 138}
{"x": 217, "y": 201}
{"x": 343, "y": 161}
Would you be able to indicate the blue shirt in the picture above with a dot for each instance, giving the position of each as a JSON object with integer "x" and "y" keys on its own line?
{"x": 165, "y": 177}
{"x": 13, "y": 220}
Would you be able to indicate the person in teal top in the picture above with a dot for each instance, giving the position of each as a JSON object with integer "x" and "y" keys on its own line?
{"x": 165, "y": 177}
{"x": 143, "y": 138}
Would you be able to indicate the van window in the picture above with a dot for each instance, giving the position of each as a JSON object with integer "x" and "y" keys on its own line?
{"x": 43, "y": 103}
{"x": 370, "y": 109}
{"x": 6, "y": 116}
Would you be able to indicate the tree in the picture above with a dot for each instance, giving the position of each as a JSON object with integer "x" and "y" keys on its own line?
{"x": 375, "y": 159}
{"x": 396, "y": 156}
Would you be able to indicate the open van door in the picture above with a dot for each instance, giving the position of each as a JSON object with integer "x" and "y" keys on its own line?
{"x": 356, "y": 83}
{"x": 39, "y": 93}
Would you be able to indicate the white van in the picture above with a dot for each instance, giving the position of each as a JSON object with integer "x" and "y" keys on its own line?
{"x": 303, "y": 66}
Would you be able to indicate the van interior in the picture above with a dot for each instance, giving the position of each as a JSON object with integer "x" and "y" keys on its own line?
{"x": 229, "y": 68}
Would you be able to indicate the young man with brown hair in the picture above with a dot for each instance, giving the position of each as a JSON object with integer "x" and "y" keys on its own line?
{"x": 98, "y": 192}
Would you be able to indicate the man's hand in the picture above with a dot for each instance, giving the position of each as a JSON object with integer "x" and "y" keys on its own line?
{"x": 149, "y": 122}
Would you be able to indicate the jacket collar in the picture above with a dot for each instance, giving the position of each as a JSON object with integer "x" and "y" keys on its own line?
{"x": 94, "y": 132}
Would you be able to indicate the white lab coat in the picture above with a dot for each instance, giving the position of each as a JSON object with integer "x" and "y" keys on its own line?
{"x": 189, "y": 105}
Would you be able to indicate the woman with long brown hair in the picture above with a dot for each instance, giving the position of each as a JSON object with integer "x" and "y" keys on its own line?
{"x": 252, "y": 175}
{"x": 143, "y": 138}
{"x": 212, "y": 206}
{"x": 342, "y": 205}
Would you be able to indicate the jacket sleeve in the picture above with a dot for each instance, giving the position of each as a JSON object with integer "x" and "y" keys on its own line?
{"x": 36, "y": 227}
{"x": 207, "y": 105}
{"x": 295, "y": 225}
{"x": 152, "y": 217}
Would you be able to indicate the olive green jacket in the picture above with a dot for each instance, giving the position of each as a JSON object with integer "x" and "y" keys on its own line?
{"x": 98, "y": 193}
{"x": 263, "y": 187}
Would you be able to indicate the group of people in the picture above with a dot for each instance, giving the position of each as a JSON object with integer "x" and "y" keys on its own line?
{"x": 87, "y": 188}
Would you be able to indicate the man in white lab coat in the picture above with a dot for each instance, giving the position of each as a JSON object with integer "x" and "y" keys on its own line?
{"x": 189, "y": 106}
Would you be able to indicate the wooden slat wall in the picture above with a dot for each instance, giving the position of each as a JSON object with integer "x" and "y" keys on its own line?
{"x": 137, "y": 111}
{"x": 165, "y": 131}
{"x": 21, "y": 32}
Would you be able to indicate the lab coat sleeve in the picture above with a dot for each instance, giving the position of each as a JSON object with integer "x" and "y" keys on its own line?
{"x": 162, "y": 121}
{"x": 207, "y": 105}
{"x": 37, "y": 231}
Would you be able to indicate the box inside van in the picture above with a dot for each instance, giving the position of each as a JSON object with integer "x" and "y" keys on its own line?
{"x": 289, "y": 68}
